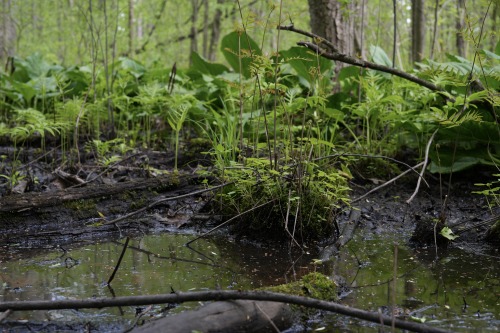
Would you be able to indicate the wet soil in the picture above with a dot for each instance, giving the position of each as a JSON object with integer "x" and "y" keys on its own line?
{"x": 70, "y": 205}
{"x": 60, "y": 202}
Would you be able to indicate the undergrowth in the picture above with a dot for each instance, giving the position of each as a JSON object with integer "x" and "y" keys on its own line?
{"x": 279, "y": 132}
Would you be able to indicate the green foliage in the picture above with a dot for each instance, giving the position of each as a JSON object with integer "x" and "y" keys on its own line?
{"x": 300, "y": 197}
{"x": 239, "y": 48}
{"x": 491, "y": 191}
{"x": 272, "y": 120}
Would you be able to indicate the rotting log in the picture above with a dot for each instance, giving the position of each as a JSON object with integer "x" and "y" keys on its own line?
{"x": 31, "y": 200}
{"x": 226, "y": 316}
{"x": 75, "y": 215}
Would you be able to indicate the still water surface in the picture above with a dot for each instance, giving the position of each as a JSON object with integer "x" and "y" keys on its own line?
{"x": 460, "y": 291}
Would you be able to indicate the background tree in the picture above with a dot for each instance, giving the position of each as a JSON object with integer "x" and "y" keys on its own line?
{"x": 334, "y": 21}
{"x": 417, "y": 30}
{"x": 8, "y": 32}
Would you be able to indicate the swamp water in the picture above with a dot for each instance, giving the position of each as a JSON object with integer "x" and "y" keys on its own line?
{"x": 460, "y": 291}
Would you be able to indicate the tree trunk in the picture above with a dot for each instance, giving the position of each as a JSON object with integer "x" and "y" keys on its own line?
{"x": 205, "y": 29}
{"x": 194, "y": 32}
{"x": 7, "y": 33}
{"x": 130, "y": 27}
{"x": 332, "y": 20}
{"x": 494, "y": 16}
{"x": 460, "y": 26}
{"x": 215, "y": 33}
{"x": 418, "y": 30}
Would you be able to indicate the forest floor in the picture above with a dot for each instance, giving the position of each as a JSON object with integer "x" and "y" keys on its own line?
{"x": 86, "y": 202}
{"x": 78, "y": 203}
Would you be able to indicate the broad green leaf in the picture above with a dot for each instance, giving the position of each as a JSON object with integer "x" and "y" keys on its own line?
{"x": 449, "y": 160}
{"x": 201, "y": 65}
{"x": 306, "y": 63}
{"x": 334, "y": 113}
{"x": 132, "y": 66}
{"x": 379, "y": 56}
{"x": 236, "y": 46}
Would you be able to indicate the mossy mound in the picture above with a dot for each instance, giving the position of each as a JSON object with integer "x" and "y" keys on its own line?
{"x": 315, "y": 285}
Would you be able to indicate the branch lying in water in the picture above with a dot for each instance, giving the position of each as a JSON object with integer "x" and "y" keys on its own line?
{"x": 219, "y": 295}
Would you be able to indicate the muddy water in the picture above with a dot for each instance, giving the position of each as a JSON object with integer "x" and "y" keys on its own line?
{"x": 460, "y": 291}
{"x": 153, "y": 264}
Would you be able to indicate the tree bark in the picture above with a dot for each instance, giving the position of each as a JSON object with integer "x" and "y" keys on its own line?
{"x": 215, "y": 33}
{"x": 205, "y": 28}
{"x": 194, "y": 30}
{"x": 460, "y": 26}
{"x": 333, "y": 21}
{"x": 418, "y": 30}
{"x": 8, "y": 32}
{"x": 131, "y": 27}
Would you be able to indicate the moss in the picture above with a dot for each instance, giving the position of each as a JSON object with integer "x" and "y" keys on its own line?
{"x": 314, "y": 285}
{"x": 81, "y": 205}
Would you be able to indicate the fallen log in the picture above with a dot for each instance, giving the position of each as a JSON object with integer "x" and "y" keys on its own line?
{"x": 32, "y": 200}
{"x": 227, "y": 316}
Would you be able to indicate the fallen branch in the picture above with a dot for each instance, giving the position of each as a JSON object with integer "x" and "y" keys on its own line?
{"x": 426, "y": 160}
{"x": 388, "y": 182}
{"x": 359, "y": 62}
{"x": 218, "y": 295}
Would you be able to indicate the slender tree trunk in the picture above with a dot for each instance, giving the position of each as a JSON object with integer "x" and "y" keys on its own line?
{"x": 194, "y": 32}
{"x": 205, "y": 29}
{"x": 495, "y": 13}
{"x": 131, "y": 27}
{"x": 435, "y": 29}
{"x": 460, "y": 27}
{"x": 215, "y": 32}
{"x": 418, "y": 30}
{"x": 395, "y": 31}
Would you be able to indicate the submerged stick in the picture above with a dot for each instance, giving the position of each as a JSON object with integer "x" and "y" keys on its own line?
{"x": 119, "y": 261}
{"x": 151, "y": 205}
{"x": 226, "y": 222}
{"x": 219, "y": 295}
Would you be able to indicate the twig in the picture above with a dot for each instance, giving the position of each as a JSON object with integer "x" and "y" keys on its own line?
{"x": 268, "y": 319}
{"x": 426, "y": 159}
{"x": 119, "y": 261}
{"x": 230, "y": 220}
{"x": 151, "y": 205}
{"x": 218, "y": 295}
{"x": 387, "y": 183}
{"x": 100, "y": 174}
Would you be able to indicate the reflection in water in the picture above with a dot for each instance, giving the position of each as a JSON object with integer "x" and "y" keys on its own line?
{"x": 152, "y": 265}
{"x": 460, "y": 291}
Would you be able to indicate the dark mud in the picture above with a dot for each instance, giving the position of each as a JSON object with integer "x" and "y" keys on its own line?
{"x": 54, "y": 212}
{"x": 58, "y": 206}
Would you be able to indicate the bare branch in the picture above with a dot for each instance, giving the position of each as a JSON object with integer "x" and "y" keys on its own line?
{"x": 358, "y": 62}
{"x": 218, "y": 295}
